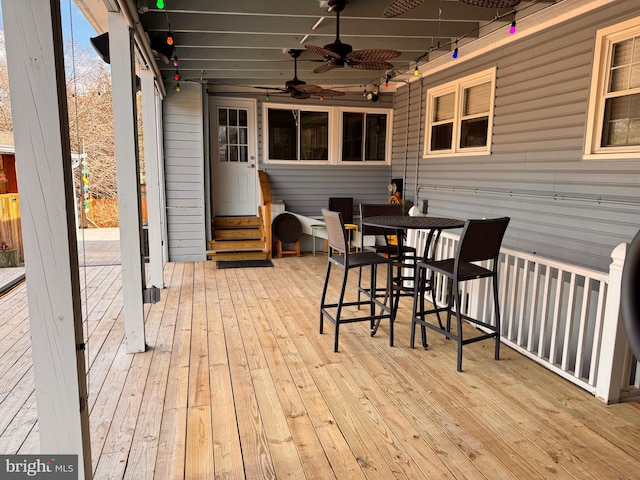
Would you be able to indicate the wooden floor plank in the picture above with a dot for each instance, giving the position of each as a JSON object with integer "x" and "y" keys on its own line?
{"x": 238, "y": 383}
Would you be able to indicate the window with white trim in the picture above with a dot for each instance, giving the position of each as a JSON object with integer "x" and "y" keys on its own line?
{"x": 459, "y": 116}
{"x": 364, "y": 136}
{"x": 334, "y": 135}
{"x": 298, "y": 135}
{"x": 614, "y": 107}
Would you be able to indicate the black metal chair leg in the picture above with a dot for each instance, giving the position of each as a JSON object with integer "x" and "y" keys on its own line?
{"x": 497, "y": 310}
{"x": 459, "y": 318}
{"x": 339, "y": 310}
{"x": 324, "y": 296}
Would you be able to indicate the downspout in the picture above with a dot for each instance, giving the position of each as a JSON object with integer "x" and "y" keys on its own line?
{"x": 131, "y": 15}
{"x": 406, "y": 132}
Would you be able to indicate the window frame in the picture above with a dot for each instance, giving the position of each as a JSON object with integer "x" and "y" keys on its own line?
{"x": 299, "y": 108}
{"x": 388, "y": 137}
{"x": 605, "y": 39}
{"x": 335, "y": 134}
{"x": 458, "y": 87}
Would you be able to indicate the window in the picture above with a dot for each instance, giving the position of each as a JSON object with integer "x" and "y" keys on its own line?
{"x": 331, "y": 134}
{"x": 614, "y": 107}
{"x": 298, "y": 134}
{"x": 364, "y": 136}
{"x": 459, "y": 116}
{"x": 233, "y": 135}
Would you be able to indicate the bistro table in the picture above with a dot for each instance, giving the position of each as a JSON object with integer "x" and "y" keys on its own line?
{"x": 401, "y": 223}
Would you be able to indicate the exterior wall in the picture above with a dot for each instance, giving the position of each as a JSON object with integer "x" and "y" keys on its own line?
{"x": 305, "y": 189}
{"x": 561, "y": 206}
{"x": 184, "y": 173}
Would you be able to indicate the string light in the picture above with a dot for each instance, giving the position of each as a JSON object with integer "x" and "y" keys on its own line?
{"x": 176, "y": 76}
{"x": 175, "y": 61}
{"x": 178, "y": 87}
{"x": 267, "y": 98}
{"x": 170, "y": 39}
{"x": 512, "y": 31}
{"x": 321, "y": 98}
{"x": 160, "y": 4}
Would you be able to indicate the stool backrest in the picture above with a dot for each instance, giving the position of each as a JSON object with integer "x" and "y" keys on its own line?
{"x": 344, "y": 205}
{"x": 336, "y": 234}
{"x": 375, "y": 210}
{"x": 481, "y": 240}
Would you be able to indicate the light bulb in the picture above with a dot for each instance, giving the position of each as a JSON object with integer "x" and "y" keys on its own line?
{"x": 178, "y": 87}
{"x": 512, "y": 30}
{"x": 169, "y": 39}
{"x": 455, "y": 53}
{"x": 321, "y": 98}
{"x": 175, "y": 61}
{"x": 160, "y": 4}
{"x": 267, "y": 98}
{"x": 416, "y": 72}
{"x": 176, "y": 76}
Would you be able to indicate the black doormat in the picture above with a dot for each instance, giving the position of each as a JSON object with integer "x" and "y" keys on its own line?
{"x": 243, "y": 263}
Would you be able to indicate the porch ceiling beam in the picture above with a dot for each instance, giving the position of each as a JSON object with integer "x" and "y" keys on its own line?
{"x": 33, "y": 36}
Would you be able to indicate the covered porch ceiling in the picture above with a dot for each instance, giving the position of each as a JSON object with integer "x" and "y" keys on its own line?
{"x": 239, "y": 44}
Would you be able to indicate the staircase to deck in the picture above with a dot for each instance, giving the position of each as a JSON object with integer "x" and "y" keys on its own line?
{"x": 238, "y": 238}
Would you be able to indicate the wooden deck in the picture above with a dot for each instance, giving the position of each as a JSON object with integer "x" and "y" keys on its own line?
{"x": 238, "y": 383}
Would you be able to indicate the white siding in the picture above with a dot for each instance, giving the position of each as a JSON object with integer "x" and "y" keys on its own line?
{"x": 561, "y": 206}
{"x": 184, "y": 171}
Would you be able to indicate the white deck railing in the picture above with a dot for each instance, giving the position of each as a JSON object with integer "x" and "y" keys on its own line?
{"x": 562, "y": 316}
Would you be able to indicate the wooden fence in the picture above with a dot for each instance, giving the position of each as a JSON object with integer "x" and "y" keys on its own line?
{"x": 10, "y": 224}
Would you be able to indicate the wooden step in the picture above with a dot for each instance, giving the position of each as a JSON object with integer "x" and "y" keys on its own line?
{"x": 236, "y": 222}
{"x": 213, "y": 255}
{"x": 236, "y": 245}
{"x": 238, "y": 234}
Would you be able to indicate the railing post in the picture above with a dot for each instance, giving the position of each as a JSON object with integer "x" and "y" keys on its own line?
{"x": 611, "y": 368}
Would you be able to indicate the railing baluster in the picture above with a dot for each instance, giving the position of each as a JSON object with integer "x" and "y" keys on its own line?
{"x": 566, "y": 345}
{"x": 534, "y": 306}
{"x": 543, "y": 311}
{"x": 582, "y": 331}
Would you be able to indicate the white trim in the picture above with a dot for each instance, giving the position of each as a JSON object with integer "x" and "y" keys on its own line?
{"x": 388, "y": 140}
{"x": 605, "y": 38}
{"x": 335, "y": 134}
{"x": 458, "y": 87}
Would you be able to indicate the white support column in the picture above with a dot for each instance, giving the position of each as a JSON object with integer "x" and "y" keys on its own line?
{"x": 128, "y": 176}
{"x": 613, "y": 346}
{"x": 33, "y": 36}
{"x": 152, "y": 160}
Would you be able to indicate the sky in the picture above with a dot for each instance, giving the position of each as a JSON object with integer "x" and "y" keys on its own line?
{"x": 82, "y": 30}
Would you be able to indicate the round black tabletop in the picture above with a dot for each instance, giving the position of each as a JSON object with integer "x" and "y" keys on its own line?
{"x": 408, "y": 222}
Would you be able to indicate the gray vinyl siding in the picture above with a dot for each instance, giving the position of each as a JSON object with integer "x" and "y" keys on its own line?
{"x": 561, "y": 206}
{"x": 184, "y": 173}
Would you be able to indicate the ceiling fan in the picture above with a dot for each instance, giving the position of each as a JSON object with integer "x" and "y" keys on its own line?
{"x": 338, "y": 54}
{"x": 299, "y": 89}
{"x": 398, "y": 7}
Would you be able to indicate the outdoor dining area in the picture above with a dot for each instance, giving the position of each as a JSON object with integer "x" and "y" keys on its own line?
{"x": 238, "y": 383}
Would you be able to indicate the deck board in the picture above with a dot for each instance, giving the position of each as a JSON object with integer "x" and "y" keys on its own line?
{"x": 238, "y": 383}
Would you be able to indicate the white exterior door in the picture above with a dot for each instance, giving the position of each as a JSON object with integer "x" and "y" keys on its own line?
{"x": 233, "y": 156}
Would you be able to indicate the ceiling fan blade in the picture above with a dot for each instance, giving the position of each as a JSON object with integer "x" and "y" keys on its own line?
{"x": 325, "y": 67}
{"x": 326, "y": 92}
{"x": 371, "y": 65}
{"x": 398, "y": 7}
{"x": 300, "y": 95}
{"x": 273, "y": 89}
{"x": 323, "y": 52}
{"x": 307, "y": 88}
{"x": 492, "y": 3}
{"x": 372, "y": 54}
